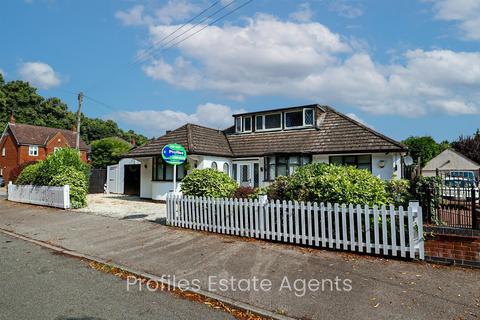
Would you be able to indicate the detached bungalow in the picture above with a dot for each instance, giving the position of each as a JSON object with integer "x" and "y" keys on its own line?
{"x": 263, "y": 145}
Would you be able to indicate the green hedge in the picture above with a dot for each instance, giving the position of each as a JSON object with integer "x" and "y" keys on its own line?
{"x": 319, "y": 182}
{"x": 64, "y": 167}
{"x": 208, "y": 183}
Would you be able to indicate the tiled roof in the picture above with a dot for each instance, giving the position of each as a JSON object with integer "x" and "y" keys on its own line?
{"x": 36, "y": 135}
{"x": 196, "y": 139}
{"x": 336, "y": 133}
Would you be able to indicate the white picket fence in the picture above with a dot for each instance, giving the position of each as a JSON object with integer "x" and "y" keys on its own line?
{"x": 58, "y": 197}
{"x": 387, "y": 231}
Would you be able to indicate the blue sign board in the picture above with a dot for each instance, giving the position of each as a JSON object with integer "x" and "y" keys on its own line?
{"x": 174, "y": 154}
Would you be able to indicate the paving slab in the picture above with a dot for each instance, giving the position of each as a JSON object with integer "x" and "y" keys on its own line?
{"x": 380, "y": 288}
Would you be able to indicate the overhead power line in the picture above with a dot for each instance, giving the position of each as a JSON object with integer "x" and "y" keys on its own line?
{"x": 146, "y": 52}
{"x": 210, "y": 24}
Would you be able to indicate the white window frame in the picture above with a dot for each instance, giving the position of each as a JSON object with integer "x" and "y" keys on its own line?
{"x": 296, "y": 127}
{"x": 303, "y": 119}
{"x": 304, "y": 111}
{"x": 33, "y": 151}
{"x": 263, "y": 122}
{"x": 4, "y": 152}
{"x": 243, "y": 124}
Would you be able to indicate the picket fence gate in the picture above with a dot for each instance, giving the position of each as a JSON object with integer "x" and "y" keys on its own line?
{"x": 376, "y": 230}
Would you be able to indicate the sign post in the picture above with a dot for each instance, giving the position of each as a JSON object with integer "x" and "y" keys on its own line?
{"x": 174, "y": 154}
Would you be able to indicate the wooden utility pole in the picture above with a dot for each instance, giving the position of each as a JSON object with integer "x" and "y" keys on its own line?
{"x": 80, "y": 100}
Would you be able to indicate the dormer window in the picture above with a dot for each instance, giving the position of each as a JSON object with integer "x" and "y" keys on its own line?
{"x": 299, "y": 118}
{"x": 269, "y": 122}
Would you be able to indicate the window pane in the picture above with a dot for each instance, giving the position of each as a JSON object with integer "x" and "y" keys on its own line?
{"x": 350, "y": 160}
{"x": 282, "y": 160}
{"x": 169, "y": 172}
{"x": 259, "y": 122}
{"x": 271, "y": 172}
{"x": 281, "y": 170}
{"x": 336, "y": 160}
{"x": 364, "y": 159}
{"x": 273, "y": 121}
{"x": 234, "y": 171}
{"x": 158, "y": 169}
{"x": 271, "y": 160}
{"x": 247, "y": 124}
{"x": 295, "y": 160}
{"x": 364, "y": 166}
{"x": 305, "y": 160}
{"x": 294, "y": 119}
{"x": 309, "y": 117}
{"x": 226, "y": 168}
{"x": 238, "y": 124}
{"x": 180, "y": 172}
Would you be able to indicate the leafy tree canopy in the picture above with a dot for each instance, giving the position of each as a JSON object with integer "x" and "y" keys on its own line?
{"x": 469, "y": 146}
{"x": 108, "y": 151}
{"x": 31, "y": 108}
{"x": 424, "y": 147}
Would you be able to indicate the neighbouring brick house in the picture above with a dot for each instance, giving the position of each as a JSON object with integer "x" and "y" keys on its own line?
{"x": 21, "y": 143}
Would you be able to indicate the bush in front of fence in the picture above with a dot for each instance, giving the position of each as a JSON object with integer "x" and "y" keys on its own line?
{"x": 320, "y": 182}
{"x": 64, "y": 167}
{"x": 208, "y": 183}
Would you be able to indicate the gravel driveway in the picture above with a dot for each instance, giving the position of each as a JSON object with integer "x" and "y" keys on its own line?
{"x": 124, "y": 207}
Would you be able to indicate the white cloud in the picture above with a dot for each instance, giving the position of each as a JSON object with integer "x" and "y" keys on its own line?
{"x": 39, "y": 74}
{"x": 172, "y": 11}
{"x": 133, "y": 17}
{"x": 465, "y": 12}
{"x": 268, "y": 56}
{"x": 344, "y": 9}
{"x": 155, "y": 122}
{"x": 303, "y": 14}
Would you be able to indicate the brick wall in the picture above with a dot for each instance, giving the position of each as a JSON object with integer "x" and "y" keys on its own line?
{"x": 453, "y": 246}
{"x": 10, "y": 159}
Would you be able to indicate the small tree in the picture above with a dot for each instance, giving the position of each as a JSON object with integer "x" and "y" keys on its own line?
{"x": 424, "y": 147}
{"x": 108, "y": 151}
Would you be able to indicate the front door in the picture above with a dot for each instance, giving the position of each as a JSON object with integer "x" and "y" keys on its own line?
{"x": 248, "y": 174}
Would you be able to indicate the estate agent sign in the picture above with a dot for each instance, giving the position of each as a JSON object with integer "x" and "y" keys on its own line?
{"x": 174, "y": 154}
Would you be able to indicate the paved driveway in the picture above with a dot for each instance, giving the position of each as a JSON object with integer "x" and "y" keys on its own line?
{"x": 124, "y": 207}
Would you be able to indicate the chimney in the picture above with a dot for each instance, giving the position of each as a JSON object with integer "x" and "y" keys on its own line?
{"x": 12, "y": 118}
{"x": 133, "y": 141}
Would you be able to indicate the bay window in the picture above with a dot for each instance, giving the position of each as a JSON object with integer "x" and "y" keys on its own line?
{"x": 358, "y": 161}
{"x": 163, "y": 171}
{"x": 276, "y": 166}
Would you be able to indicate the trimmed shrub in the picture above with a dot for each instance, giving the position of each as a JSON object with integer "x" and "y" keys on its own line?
{"x": 399, "y": 191}
{"x": 208, "y": 183}
{"x": 321, "y": 182}
{"x": 244, "y": 193}
{"x": 29, "y": 174}
{"x": 276, "y": 191}
{"x": 60, "y": 168}
{"x": 78, "y": 183}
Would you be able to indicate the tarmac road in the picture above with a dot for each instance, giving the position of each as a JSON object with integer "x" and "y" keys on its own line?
{"x": 37, "y": 284}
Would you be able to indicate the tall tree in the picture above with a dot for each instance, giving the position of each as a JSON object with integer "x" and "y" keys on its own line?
{"x": 108, "y": 151}
{"x": 469, "y": 146}
{"x": 31, "y": 108}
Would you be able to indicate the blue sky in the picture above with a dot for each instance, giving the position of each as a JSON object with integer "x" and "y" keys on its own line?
{"x": 408, "y": 67}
